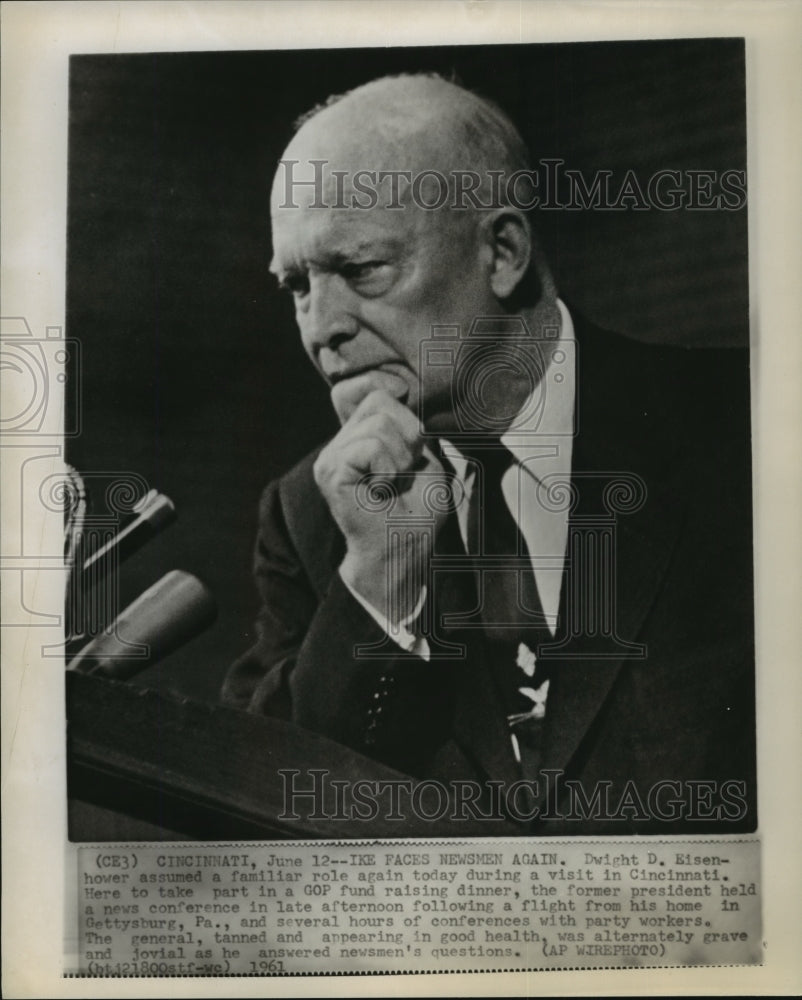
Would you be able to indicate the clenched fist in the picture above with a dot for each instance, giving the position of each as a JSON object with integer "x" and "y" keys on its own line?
{"x": 380, "y": 438}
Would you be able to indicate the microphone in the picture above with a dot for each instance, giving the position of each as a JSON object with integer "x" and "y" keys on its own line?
{"x": 154, "y": 512}
{"x": 170, "y": 613}
{"x": 150, "y": 516}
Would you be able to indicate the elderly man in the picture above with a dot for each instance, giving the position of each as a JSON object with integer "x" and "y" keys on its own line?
{"x": 527, "y": 551}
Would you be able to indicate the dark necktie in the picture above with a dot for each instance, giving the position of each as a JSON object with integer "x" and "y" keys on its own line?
{"x": 514, "y": 622}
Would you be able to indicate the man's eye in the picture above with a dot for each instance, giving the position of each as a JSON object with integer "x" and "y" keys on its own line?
{"x": 296, "y": 284}
{"x": 365, "y": 269}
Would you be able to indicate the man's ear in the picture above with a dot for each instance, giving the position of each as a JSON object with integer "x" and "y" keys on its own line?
{"x": 509, "y": 236}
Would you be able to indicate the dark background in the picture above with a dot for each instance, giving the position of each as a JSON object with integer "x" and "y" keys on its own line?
{"x": 192, "y": 371}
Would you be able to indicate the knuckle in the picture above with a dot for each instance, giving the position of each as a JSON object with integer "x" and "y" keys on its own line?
{"x": 384, "y": 423}
{"x": 381, "y": 395}
{"x": 373, "y": 402}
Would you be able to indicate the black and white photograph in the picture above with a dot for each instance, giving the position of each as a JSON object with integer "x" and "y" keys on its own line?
{"x": 441, "y": 359}
{"x": 398, "y": 480}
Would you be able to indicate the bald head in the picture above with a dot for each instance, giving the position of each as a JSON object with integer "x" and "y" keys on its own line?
{"x": 439, "y": 143}
{"x": 422, "y": 122}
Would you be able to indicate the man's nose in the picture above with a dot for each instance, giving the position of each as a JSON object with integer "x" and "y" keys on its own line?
{"x": 328, "y": 316}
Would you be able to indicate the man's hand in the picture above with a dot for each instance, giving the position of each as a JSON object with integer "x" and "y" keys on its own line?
{"x": 380, "y": 438}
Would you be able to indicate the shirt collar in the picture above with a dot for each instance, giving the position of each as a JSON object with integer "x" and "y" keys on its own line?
{"x": 543, "y": 430}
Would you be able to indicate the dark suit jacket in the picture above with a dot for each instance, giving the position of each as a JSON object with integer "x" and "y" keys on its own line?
{"x": 680, "y": 710}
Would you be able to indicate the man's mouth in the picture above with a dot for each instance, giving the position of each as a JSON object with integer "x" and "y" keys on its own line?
{"x": 396, "y": 384}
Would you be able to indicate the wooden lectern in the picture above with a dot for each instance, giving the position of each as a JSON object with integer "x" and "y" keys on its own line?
{"x": 143, "y": 765}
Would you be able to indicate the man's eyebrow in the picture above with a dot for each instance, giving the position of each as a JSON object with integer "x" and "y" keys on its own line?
{"x": 342, "y": 255}
{"x": 376, "y": 244}
{"x": 276, "y": 268}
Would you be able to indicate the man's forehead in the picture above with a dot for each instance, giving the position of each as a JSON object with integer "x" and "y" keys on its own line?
{"x": 372, "y": 177}
{"x": 344, "y": 182}
{"x": 350, "y": 141}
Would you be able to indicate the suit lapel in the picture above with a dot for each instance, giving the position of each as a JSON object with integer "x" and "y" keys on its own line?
{"x": 580, "y": 679}
{"x": 480, "y": 724}
{"x": 618, "y": 432}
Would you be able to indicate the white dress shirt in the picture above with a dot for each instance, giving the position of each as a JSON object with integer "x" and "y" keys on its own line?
{"x": 540, "y": 441}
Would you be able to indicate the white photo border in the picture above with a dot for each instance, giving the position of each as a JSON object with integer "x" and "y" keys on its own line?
{"x": 37, "y": 40}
